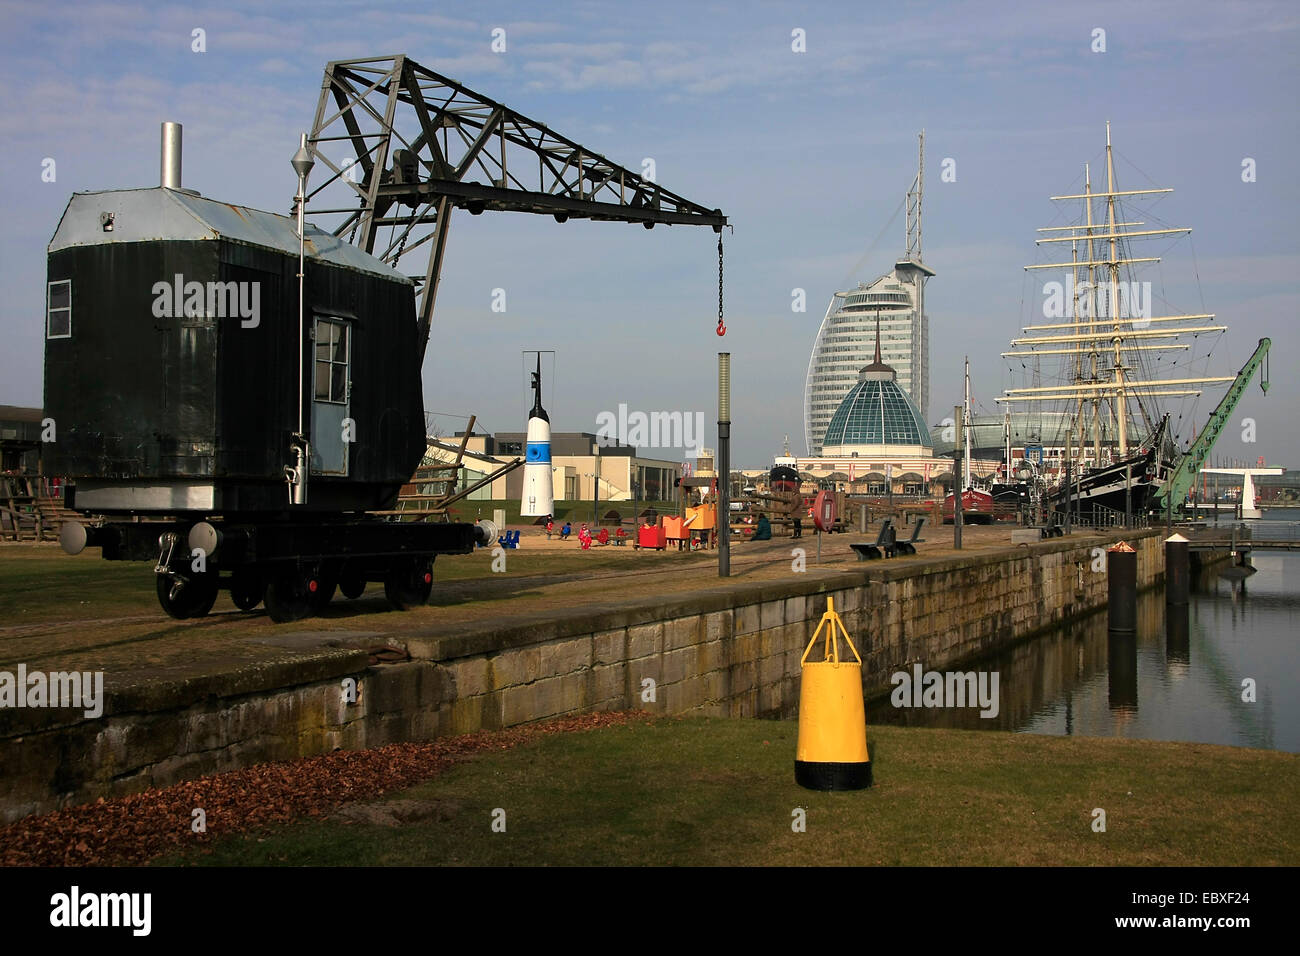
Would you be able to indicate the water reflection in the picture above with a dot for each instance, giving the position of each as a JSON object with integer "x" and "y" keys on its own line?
{"x": 1178, "y": 646}
{"x": 1186, "y": 665}
{"x": 1122, "y": 672}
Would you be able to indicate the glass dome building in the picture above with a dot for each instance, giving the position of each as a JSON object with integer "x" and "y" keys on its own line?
{"x": 877, "y": 417}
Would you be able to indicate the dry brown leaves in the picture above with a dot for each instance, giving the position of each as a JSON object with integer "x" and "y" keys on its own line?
{"x": 134, "y": 829}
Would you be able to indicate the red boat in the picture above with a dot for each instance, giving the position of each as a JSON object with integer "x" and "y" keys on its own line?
{"x": 976, "y": 507}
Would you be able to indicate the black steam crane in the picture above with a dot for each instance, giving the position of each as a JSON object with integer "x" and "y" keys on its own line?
{"x": 174, "y": 428}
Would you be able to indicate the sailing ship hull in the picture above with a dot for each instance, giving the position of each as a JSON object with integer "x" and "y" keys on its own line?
{"x": 1127, "y": 487}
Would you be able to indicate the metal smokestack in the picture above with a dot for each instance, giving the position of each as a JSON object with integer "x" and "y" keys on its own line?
{"x": 169, "y": 175}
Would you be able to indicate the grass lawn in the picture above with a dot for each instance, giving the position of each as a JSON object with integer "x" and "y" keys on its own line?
{"x": 702, "y": 791}
{"x": 41, "y": 583}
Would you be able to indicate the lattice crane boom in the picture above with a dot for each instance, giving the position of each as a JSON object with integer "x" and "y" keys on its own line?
{"x": 419, "y": 144}
{"x": 1181, "y": 480}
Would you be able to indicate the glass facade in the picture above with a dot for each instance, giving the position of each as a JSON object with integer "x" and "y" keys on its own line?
{"x": 846, "y": 342}
{"x": 876, "y": 413}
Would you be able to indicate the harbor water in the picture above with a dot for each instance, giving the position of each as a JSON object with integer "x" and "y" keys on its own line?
{"x": 1186, "y": 674}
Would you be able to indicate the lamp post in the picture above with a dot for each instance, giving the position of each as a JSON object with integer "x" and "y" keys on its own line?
{"x": 959, "y": 474}
{"x": 723, "y": 466}
{"x": 300, "y": 444}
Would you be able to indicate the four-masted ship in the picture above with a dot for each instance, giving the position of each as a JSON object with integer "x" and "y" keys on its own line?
{"x": 1104, "y": 358}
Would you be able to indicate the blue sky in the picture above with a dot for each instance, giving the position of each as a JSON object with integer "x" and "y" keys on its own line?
{"x": 807, "y": 153}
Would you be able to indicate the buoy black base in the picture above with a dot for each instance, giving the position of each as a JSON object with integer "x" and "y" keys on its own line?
{"x": 832, "y": 776}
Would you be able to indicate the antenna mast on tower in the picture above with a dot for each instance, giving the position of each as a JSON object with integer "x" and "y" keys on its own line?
{"x": 914, "y": 204}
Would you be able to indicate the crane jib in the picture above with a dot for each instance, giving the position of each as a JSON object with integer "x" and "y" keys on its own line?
{"x": 471, "y": 152}
{"x": 1184, "y": 476}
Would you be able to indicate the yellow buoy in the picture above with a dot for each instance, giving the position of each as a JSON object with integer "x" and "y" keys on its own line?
{"x": 832, "y": 749}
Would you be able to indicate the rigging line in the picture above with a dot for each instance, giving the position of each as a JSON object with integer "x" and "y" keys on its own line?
{"x": 1136, "y": 168}
{"x": 451, "y": 415}
{"x": 1196, "y": 269}
{"x": 1154, "y": 200}
{"x": 874, "y": 242}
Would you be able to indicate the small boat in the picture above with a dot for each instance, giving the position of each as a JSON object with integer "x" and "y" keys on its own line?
{"x": 784, "y": 476}
{"x": 1010, "y": 488}
{"x": 976, "y": 503}
{"x": 976, "y": 507}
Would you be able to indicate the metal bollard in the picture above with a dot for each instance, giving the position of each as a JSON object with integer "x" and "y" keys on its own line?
{"x": 1121, "y": 581}
{"x": 1178, "y": 569}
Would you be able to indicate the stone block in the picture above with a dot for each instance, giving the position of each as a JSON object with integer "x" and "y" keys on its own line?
{"x": 610, "y": 681}
{"x": 470, "y": 676}
{"x": 645, "y": 640}
{"x": 711, "y": 657}
{"x": 771, "y": 614}
{"x": 678, "y": 665}
{"x": 564, "y": 657}
{"x": 683, "y": 632}
{"x": 796, "y": 610}
{"x": 744, "y": 648}
{"x": 744, "y": 677}
{"x": 609, "y": 647}
{"x": 683, "y": 696}
{"x": 513, "y": 667}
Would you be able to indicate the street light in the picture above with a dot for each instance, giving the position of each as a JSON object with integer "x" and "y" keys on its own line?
{"x": 299, "y": 445}
{"x": 595, "y": 496}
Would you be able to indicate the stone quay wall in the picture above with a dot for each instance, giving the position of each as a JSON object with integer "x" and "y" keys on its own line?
{"x": 730, "y": 650}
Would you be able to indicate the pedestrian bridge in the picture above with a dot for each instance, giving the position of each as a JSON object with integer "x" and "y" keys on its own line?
{"x": 1257, "y": 536}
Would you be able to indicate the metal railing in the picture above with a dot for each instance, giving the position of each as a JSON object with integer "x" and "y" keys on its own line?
{"x": 1098, "y": 516}
{"x": 1255, "y": 534}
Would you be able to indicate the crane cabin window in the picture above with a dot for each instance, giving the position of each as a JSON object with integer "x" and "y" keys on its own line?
{"x": 58, "y": 309}
{"x": 331, "y": 361}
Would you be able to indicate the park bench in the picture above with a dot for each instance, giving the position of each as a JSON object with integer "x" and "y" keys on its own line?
{"x": 884, "y": 546}
{"x": 909, "y": 546}
{"x": 887, "y": 544}
{"x": 1052, "y": 529}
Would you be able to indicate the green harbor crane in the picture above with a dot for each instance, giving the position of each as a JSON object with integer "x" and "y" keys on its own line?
{"x": 1183, "y": 477}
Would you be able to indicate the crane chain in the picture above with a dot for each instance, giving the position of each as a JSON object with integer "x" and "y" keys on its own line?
{"x": 722, "y": 327}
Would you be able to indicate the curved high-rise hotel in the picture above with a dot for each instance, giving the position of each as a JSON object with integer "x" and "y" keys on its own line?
{"x": 847, "y": 337}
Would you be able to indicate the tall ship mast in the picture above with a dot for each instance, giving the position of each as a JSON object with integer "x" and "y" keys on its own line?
{"x": 1112, "y": 362}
